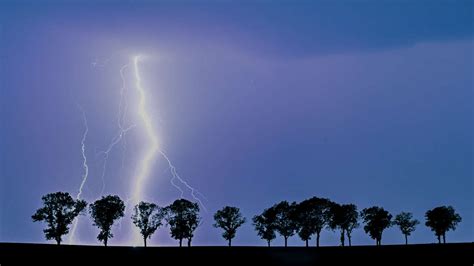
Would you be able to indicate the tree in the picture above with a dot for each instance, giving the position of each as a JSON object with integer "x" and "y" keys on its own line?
{"x": 442, "y": 219}
{"x": 376, "y": 220}
{"x": 229, "y": 219}
{"x": 58, "y": 211}
{"x": 104, "y": 212}
{"x": 345, "y": 218}
{"x": 311, "y": 217}
{"x": 351, "y": 220}
{"x": 147, "y": 217}
{"x": 285, "y": 222}
{"x": 406, "y": 223}
{"x": 265, "y": 224}
{"x": 183, "y": 218}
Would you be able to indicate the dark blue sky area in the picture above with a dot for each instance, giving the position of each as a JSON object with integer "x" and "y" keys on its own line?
{"x": 365, "y": 102}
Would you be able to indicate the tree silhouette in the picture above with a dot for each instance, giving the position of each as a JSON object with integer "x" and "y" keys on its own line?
{"x": 147, "y": 217}
{"x": 58, "y": 211}
{"x": 285, "y": 222}
{"x": 312, "y": 216}
{"x": 104, "y": 212}
{"x": 265, "y": 224}
{"x": 406, "y": 223}
{"x": 229, "y": 219}
{"x": 345, "y": 218}
{"x": 442, "y": 219}
{"x": 183, "y": 218}
{"x": 376, "y": 220}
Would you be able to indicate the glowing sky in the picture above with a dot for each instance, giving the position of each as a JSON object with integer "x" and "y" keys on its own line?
{"x": 362, "y": 102}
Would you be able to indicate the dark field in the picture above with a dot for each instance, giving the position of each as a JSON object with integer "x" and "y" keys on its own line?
{"x": 426, "y": 254}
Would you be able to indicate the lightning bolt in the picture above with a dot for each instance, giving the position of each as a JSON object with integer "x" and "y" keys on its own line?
{"x": 86, "y": 171}
{"x": 153, "y": 149}
{"x": 123, "y": 107}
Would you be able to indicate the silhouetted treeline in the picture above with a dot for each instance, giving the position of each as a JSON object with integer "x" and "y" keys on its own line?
{"x": 306, "y": 219}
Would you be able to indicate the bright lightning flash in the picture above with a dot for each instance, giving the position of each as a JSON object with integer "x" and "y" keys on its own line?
{"x": 86, "y": 172}
{"x": 153, "y": 149}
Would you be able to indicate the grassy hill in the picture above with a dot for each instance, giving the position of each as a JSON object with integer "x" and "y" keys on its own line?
{"x": 425, "y": 254}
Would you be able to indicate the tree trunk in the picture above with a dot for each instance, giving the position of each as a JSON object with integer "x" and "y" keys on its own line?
{"x": 268, "y": 242}
{"x": 180, "y": 242}
{"x": 58, "y": 241}
{"x": 189, "y": 242}
{"x": 439, "y": 239}
{"x": 306, "y": 242}
{"x": 406, "y": 239}
{"x": 105, "y": 242}
{"x": 317, "y": 239}
{"x": 342, "y": 237}
{"x": 144, "y": 241}
{"x": 444, "y": 238}
{"x": 286, "y": 241}
{"x": 230, "y": 242}
{"x": 349, "y": 238}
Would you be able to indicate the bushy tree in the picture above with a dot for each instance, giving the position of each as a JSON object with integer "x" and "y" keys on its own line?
{"x": 285, "y": 222}
{"x": 147, "y": 217}
{"x": 58, "y": 211}
{"x": 406, "y": 223}
{"x": 345, "y": 218}
{"x": 229, "y": 219}
{"x": 441, "y": 220}
{"x": 376, "y": 220}
{"x": 312, "y": 215}
{"x": 265, "y": 224}
{"x": 104, "y": 212}
{"x": 183, "y": 218}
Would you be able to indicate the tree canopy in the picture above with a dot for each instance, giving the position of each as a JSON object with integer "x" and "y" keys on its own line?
{"x": 441, "y": 220}
{"x": 376, "y": 220}
{"x": 265, "y": 224}
{"x": 229, "y": 219}
{"x": 147, "y": 217}
{"x": 58, "y": 211}
{"x": 104, "y": 212}
{"x": 183, "y": 218}
{"x": 406, "y": 223}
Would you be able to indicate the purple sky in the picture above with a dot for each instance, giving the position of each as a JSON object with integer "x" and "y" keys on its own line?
{"x": 364, "y": 102}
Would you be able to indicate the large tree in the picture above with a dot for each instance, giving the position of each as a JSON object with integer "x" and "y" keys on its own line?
{"x": 183, "y": 218}
{"x": 229, "y": 219}
{"x": 376, "y": 220}
{"x": 58, "y": 211}
{"x": 312, "y": 216}
{"x": 441, "y": 220}
{"x": 104, "y": 212}
{"x": 345, "y": 218}
{"x": 265, "y": 224}
{"x": 285, "y": 222}
{"x": 147, "y": 217}
{"x": 406, "y": 223}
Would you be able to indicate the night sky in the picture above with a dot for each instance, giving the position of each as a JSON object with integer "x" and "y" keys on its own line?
{"x": 364, "y": 102}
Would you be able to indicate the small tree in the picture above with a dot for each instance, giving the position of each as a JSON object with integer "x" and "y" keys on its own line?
{"x": 183, "y": 218}
{"x": 285, "y": 223}
{"x": 345, "y": 218}
{"x": 376, "y": 220}
{"x": 441, "y": 220}
{"x": 406, "y": 223}
{"x": 104, "y": 212}
{"x": 351, "y": 220}
{"x": 265, "y": 224}
{"x": 147, "y": 217}
{"x": 58, "y": 211}
{"x": 312, "y": 216}
{"x": 229, "y": 219}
